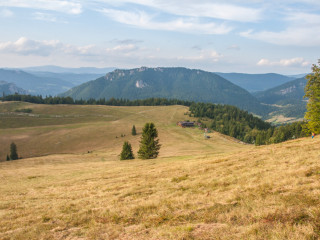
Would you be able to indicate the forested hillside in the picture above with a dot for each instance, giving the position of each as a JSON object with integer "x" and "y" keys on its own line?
{"x": 178, "y": 83}
{"x": 240, "y": 124}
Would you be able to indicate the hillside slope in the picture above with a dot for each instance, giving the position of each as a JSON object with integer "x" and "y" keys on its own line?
{"x": 270, "y": 192}
{"x": 179, "y": 83}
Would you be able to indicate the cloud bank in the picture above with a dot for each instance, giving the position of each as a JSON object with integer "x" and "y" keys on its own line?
{"x": 284, "y": 62}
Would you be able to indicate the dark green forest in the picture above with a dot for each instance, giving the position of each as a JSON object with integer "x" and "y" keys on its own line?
{"x": 110, "y": 102}
{"x": 232, "y": 121}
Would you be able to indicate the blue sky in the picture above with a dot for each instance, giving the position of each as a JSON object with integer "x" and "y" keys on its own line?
{"x": 252, "y": 36}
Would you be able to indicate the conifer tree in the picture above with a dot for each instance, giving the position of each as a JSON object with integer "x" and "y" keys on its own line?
{"x": 126, "y": 153}
{"x": 13, "y": 151}
{"x": 149, "y": 145}
{"x": 133, "y": 131}
{"x": 312, "y": 92}
{"x": 8, "y": 158}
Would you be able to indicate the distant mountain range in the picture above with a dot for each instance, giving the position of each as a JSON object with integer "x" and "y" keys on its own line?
{"x": 45, "y": 83}
{"x": 33, "y": 84}
{"x": 57, "y": 69}
{"x": 73, "y": 78}
{"x": 256, "y": 82}
{"x": 10, "y": 88}
{"x": 179, "y": 83}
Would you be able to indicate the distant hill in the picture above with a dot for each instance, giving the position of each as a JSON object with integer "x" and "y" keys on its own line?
{"x": 298, "y": 75}
{"x": 179, "y": 83}
{"x": 34, "y": 84}
{"x": 288, "y": 96}
{"x": 73, "y": 78}
{"x": 256, "y": 82}
{"x": 57, "y": 69}
{"x": 10, "y": 88}
{"x": 284, "y": 93}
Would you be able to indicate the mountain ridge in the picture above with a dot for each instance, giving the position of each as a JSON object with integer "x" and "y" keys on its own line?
{"x": 179, "y": 83}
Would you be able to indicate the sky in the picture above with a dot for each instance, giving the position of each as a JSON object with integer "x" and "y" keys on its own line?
{"x": 252, "y": 36}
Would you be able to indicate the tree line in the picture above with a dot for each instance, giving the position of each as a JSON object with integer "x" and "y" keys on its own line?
{"x": 232, "y": 121}
{"x": 111, "y": 102}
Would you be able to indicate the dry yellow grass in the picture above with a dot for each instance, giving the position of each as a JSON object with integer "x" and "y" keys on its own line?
{"x": 226, "y": 191}
{"x": 270, "y": 192}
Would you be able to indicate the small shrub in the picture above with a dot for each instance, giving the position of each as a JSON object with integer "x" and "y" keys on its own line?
{"x": 13, "y": 151}
{"x": 24, "y": 110}
{"x": 133, "y": 131}
{"x": 126, "y": 153}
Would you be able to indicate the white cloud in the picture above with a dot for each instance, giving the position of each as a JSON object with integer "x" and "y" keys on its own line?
{"x": 210, "y": 56}
{"x": 126, "y": 55}
{"x": 303, "y": 30}
{"x": 125, "y": 48}
{"x": 213, "y": 10}
{"x": 293, "y": 62}
{"x": 200, "y": 8}
{"x": 127, "y": 41}
{"x": 143, "y": 20}
{"x": 45, "y": 17}
{"x": 292, "y": 36}
{"x": 24, "y": 46}
{"x": 70, "y": 7}
{"x": 303, "y": 19}
{"x": 6, "y": 13}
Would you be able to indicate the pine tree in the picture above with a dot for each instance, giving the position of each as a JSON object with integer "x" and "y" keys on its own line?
{"x": 133, "y": 131}
{"x": 8, "y": 158}
{"x": 149, "y": 145}
{"x": 312, "y": 91}
{"x": 126, "y": 153}
{"x": 13, "y": 151}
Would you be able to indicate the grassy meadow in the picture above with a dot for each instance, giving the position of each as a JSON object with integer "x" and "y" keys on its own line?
{"x": 56, "y": 129}
{"x": 196, "y": 189}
